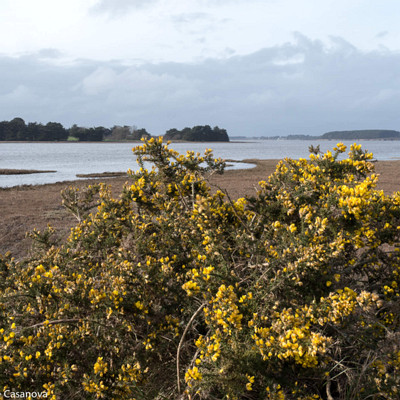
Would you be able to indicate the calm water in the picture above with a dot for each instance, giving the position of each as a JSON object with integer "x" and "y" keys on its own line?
{"x": 69, "y": 159}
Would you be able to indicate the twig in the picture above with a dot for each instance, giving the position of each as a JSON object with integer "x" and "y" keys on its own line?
{"x": 181, "y": 343}
{"x": 62, "y": 321}
{"x": 57, "y": 321}
{"x": 328, "y": 390}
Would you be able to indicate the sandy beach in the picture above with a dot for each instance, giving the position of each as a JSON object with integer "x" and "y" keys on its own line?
{"x": 24, "y": 208}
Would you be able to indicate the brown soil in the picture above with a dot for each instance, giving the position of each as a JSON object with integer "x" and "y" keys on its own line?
{"x": 27, "y": 207}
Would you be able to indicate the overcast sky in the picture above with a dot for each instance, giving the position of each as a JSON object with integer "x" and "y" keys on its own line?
{"x": 254, "y": 67}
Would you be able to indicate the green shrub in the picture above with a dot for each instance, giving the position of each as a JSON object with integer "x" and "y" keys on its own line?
{"x": 172, "y": 291}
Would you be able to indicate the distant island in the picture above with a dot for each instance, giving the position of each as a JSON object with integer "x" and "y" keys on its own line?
{"x": 18, "y": 130}
{"x": 362, "y": 134}
{"x": 366, "y": 134}
{"x": 198, "y": 134}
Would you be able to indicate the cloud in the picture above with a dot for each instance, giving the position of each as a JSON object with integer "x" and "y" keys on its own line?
{"x": 382, "y": 34}
{"x": 101, "y": 80}
{"x": 119, "y": 7}
{"x": 199, "y": 24}
{"x": 49, "y": 53}
{"x": 303, "y": 86}
{"x": 189, "y": 18}
{"x": 227, "y": 2}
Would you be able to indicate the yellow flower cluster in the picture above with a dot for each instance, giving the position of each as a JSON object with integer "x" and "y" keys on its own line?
{"x": 173, "y": 290}
{"x": 193, "y": 374}
{"x": 225, "y": 312}
{"x": 100, "y": 367}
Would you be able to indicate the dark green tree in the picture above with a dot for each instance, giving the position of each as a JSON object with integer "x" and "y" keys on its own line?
{"x": 53, "y": 131}
{"x": 199, "y": 133}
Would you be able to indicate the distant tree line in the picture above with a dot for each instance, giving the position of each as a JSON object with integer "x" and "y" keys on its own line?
{"x": 127, "y": 133}
{"x": 301, "y": 137}
{"x": 198, "y": 134}
{"x": 18, "y": 130}
{"x": 372, "y": 134}
{"x": 88, "y": 134}
{"x": 362, "y": 134}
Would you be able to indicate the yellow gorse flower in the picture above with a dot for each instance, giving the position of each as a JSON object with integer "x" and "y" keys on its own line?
{"x": 174, "y": 289}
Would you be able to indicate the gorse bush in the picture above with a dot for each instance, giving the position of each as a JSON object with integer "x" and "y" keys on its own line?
{"x": 171, "y": 291}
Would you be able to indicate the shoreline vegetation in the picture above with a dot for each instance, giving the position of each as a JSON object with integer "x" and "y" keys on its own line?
{"x": 17, "y": 130}
{"x": 29, "y": 207}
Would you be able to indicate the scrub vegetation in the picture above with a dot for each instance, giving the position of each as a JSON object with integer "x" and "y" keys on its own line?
{"x": 171, "y": 291}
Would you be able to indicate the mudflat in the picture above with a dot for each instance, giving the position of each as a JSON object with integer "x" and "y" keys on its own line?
{"x": 27, "y": 207}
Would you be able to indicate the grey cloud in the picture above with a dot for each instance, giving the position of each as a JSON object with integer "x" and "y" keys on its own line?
{"x": 305, "y": 86}
{"x": 382, "y": 34}
{"x": 49, "y": 53}
{"x": 343, "y": 45}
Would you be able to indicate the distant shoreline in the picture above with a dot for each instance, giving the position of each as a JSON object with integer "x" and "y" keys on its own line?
{"x": 104, "y": 141}
{"x": 388, "y": 168}
{"x": 354, "y": 134}
{"x": 8, "y": 171}
{"x": 283, "y": 139}
{"x": 238, "y": 139}
{"x": 70, "y": 141}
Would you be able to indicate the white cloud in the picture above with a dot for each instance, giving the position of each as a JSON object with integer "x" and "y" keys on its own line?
{"x": 119, "y": 7}
{"x": 189, "y": 18}
{"x": 188, "y": 31}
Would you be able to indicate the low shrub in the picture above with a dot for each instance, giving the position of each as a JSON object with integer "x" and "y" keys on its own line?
{"x": 174, "y": 291}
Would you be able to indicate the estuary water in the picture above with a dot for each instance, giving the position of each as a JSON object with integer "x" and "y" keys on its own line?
{"x": 70, "y": 159}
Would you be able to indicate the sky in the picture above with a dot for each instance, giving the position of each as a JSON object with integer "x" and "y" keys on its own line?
{"x": 253, "y": 67}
